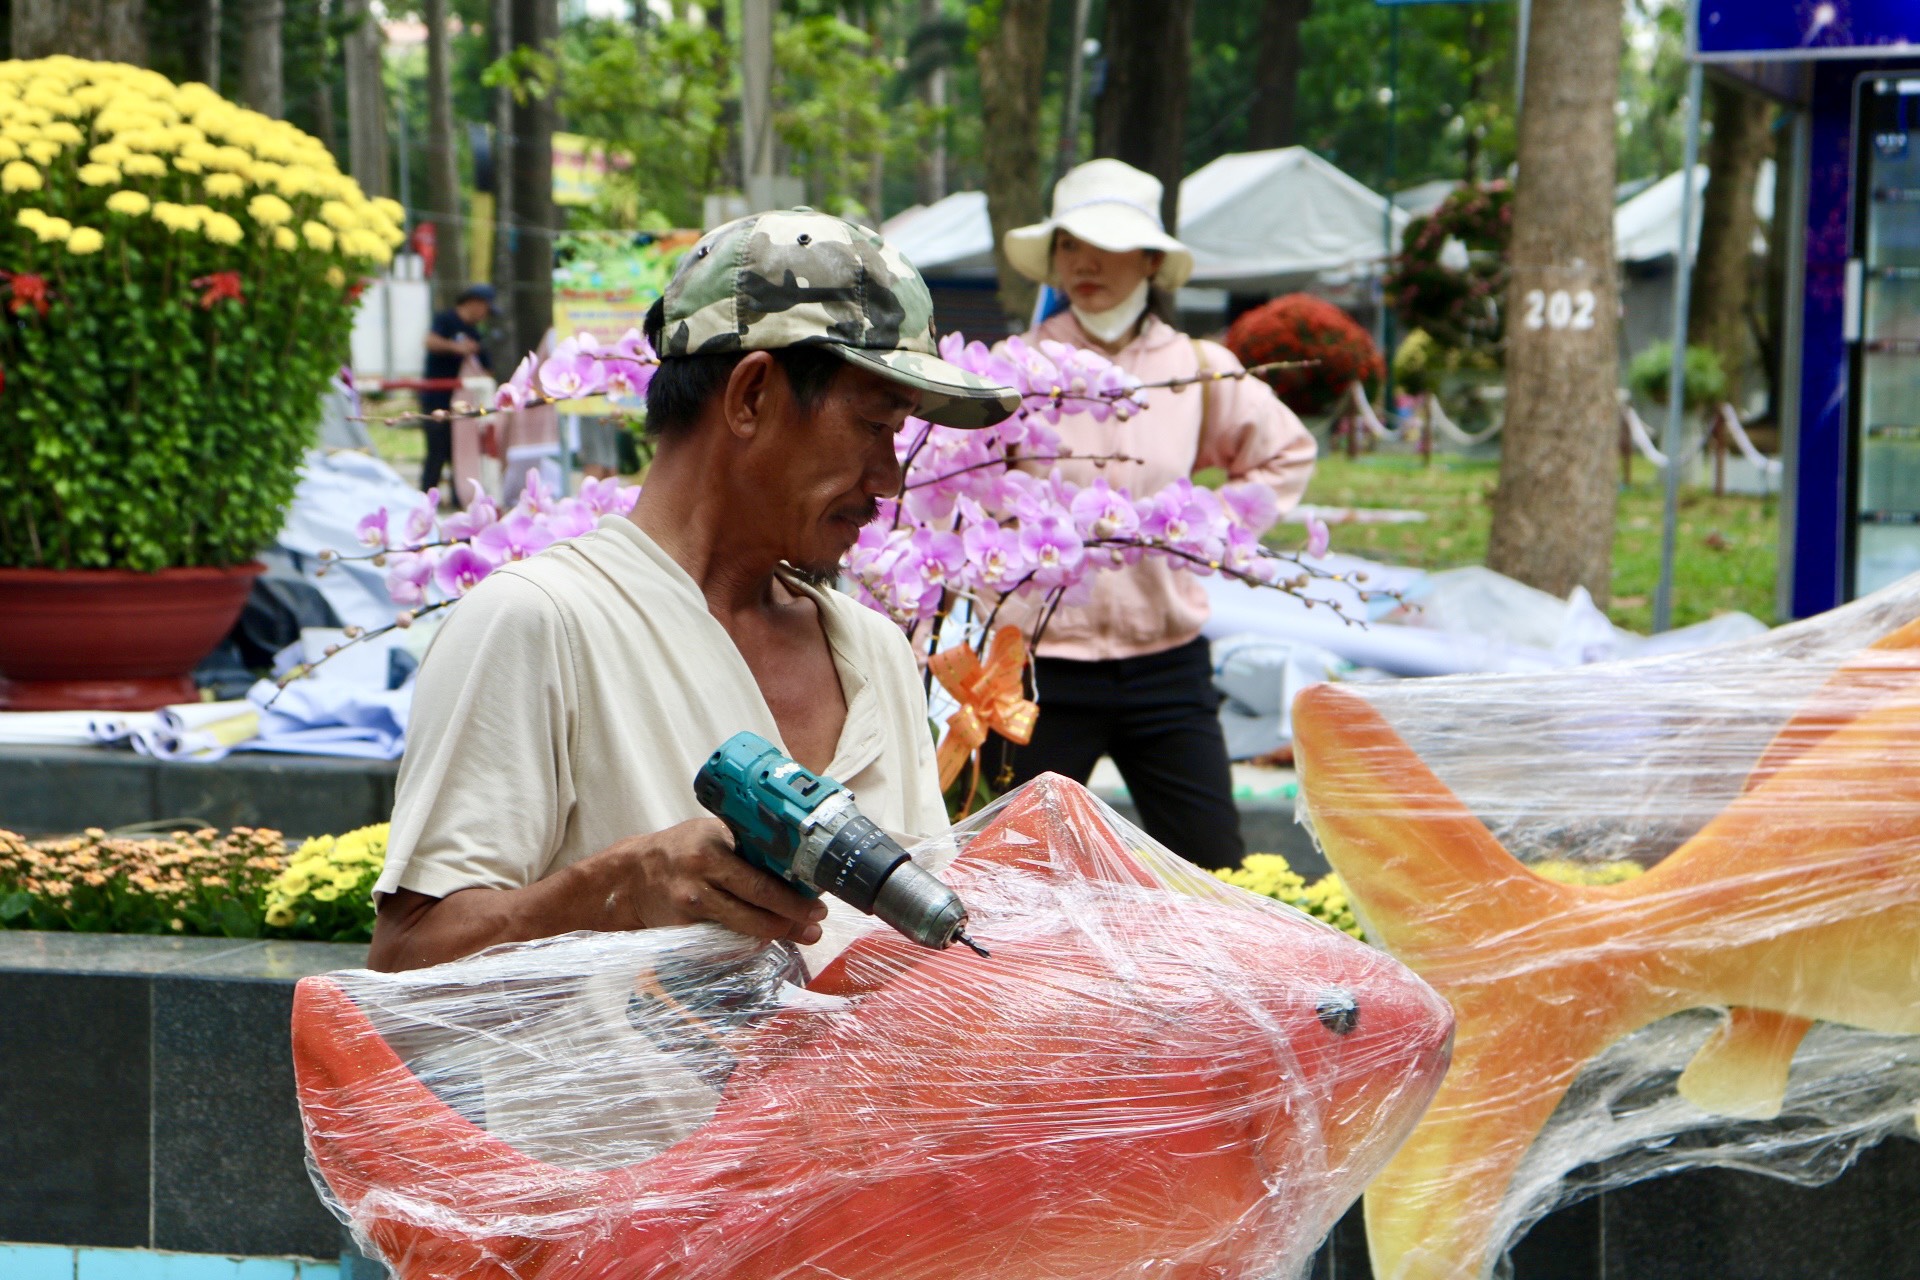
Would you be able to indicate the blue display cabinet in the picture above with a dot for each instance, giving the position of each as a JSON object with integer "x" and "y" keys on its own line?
{"x": 1849, "y": 70}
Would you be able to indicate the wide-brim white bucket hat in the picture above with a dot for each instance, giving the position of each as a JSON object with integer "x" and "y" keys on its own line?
{"x": 1110, "y": 205}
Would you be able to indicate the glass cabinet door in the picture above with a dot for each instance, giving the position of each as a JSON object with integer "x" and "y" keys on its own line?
{"x": 1887, "y": 399}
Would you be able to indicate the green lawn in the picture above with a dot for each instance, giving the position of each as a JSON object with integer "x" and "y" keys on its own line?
{"x": 1726, "y": 557}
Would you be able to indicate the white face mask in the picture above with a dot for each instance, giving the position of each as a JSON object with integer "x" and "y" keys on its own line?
{"x": 1115, "y": 323}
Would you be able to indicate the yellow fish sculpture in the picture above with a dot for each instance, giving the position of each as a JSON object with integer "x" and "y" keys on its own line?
{"x": 1799, "y": 902}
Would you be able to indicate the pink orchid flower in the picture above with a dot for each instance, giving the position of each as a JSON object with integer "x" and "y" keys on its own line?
{"x": 371, "y": 529}
{"x": 514, "y": 538}
{"x": 460, "y": 570}
{"x": 408, "y": 575}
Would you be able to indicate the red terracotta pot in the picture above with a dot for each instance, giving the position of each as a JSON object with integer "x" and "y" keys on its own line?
{"x": 79, "y": 639}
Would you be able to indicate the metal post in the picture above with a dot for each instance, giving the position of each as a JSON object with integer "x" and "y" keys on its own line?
{"x": 406, "y": 160}
{"x": 1076, "y": 80}
{"x": 1677, "y": 373}
{"x": 1386, "y": 230}
{"x": 1520, "y": 57}
{"x": 756, "y": 102}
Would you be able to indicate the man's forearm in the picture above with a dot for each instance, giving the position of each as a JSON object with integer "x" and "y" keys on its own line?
{"x": 687, "y": 874}
{"x": 414, "y": 931}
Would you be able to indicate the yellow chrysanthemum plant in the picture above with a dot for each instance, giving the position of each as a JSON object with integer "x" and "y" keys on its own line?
{"x": 1271, "y": 876}
{"x": 180, "y": 279}
{"x": 326, "y": 892}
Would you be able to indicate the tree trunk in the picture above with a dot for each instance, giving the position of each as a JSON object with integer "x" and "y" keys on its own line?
{"x": 1717, "y": 309}
{"x": 262, "y": 86}
{"x": 933, "y": 160}
{"x": 1012, "y": 61}
{"x": 1142, "y": 118}
{"x": 360, "y": 49}
{"x": 535, "y": 24}
{"x": 1276, "y": 76}
{"x": 503, "y": 340}
{"x": 1553, "y": 513}
{"x": 443, "y": 168}
{"x": 114, "y": 30}
{"x": 207, "y": 56}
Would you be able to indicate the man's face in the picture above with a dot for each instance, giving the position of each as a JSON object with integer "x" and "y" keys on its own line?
{"x": 820, "y": 473}
{"x": 473, "y": 311}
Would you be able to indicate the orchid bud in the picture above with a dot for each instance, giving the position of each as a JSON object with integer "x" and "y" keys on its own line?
{"x": 403, "y": 620}
{"x": 352, "y": 633}
{"x": 380, "y": 561}
{"x": 332, "y": 649}
{"x": 326, "y": 553}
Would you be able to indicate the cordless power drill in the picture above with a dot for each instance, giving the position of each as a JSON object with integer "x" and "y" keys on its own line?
{"x": 804, "y": 828}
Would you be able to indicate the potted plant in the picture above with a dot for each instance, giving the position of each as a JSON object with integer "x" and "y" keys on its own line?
{"x": 177, "y": 283}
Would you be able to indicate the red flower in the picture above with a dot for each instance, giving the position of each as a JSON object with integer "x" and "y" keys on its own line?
{"x": 1302, "y": 327}
{"x": 29, "y": 290}
{"x": 219, "y": 286}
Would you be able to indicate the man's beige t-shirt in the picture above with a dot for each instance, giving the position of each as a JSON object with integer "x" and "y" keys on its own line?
{"x": 570, "y": 698}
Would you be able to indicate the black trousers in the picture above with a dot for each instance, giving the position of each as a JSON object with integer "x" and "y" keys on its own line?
{"x": 1157, "y": 716}
{"x": 439, "y": 454}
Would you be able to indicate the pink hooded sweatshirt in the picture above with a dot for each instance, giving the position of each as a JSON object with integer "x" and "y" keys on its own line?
{"x": 1236, "y": 424}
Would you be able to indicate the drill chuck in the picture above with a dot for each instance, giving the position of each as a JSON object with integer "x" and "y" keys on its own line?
{"x": 805, "y": 828}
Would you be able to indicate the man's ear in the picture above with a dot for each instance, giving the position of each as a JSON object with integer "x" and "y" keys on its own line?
{"x": 748, "y": 395}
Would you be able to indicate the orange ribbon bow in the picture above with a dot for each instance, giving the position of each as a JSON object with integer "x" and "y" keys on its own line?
{"x": 990, "y": 696}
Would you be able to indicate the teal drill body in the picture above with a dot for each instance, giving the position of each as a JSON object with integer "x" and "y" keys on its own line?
{"x": 804, "y": 827}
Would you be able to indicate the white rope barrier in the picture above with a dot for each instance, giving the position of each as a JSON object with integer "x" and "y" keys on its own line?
{"x": 1444, "y": 427}
{"x": 1771, "y": 468}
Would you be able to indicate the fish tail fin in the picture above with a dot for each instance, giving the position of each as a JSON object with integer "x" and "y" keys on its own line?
{"x": 1424, "y": 872}
{"x": 1741, "y": 1071}
{"x": 1868, "y": 678}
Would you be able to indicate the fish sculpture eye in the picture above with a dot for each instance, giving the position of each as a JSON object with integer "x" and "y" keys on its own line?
{"x": 1339, "y": 1012}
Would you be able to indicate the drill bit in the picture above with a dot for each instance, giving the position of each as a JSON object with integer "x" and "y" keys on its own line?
{"x": 977, "y": 948}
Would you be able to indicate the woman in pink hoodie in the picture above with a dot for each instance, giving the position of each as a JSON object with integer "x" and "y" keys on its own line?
{"x": 1128, "y": 674}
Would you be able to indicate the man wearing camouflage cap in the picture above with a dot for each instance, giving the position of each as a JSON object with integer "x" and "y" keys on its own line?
{"x": 562, "y": 711}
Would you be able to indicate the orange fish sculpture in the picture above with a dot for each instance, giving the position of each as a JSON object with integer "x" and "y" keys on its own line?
{"x": 1799, "y": 902}
{"x": 1153, "y": 1075}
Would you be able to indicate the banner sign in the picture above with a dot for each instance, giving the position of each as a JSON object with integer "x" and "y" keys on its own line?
{"x": 1804, "y": 29}
{"x": 580, "y": 166}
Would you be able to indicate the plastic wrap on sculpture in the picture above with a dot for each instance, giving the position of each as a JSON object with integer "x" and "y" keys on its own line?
{"x": 1732, "y": 979}
{"x": 1155, "y": 1074}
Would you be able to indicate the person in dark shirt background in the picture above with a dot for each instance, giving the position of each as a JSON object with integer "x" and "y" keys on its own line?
{"x": 454, "y": 336}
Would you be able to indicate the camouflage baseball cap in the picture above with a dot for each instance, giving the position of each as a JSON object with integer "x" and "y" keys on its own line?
{"x": 795, "y": 278}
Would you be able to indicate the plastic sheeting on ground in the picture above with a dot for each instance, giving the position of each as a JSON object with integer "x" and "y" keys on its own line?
{"x": 1457, "y": 622}
{"x": 1154, "y": 1074}
{"x": 335, "y": 490}
{"x": 1674, "y": 902}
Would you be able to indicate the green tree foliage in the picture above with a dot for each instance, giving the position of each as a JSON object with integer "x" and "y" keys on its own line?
{"x": 1653, "y": 86}
{"x": 662, "y": 99}
{"x": 1455, "y": 116}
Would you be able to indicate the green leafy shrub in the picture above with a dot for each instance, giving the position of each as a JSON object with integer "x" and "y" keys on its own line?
{"x": 183, "y": 276}
{"x": 1651, "y": 376}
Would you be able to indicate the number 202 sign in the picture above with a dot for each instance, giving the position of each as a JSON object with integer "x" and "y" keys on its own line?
{"x": 1559, "y": 309}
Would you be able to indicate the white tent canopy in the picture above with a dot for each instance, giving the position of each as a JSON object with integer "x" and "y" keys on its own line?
{"x": 1257, "y": 221}
{"x": 1647, "y": 227}
{"x": 949, "y": 237}
{"x": 1276, "y": 220}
